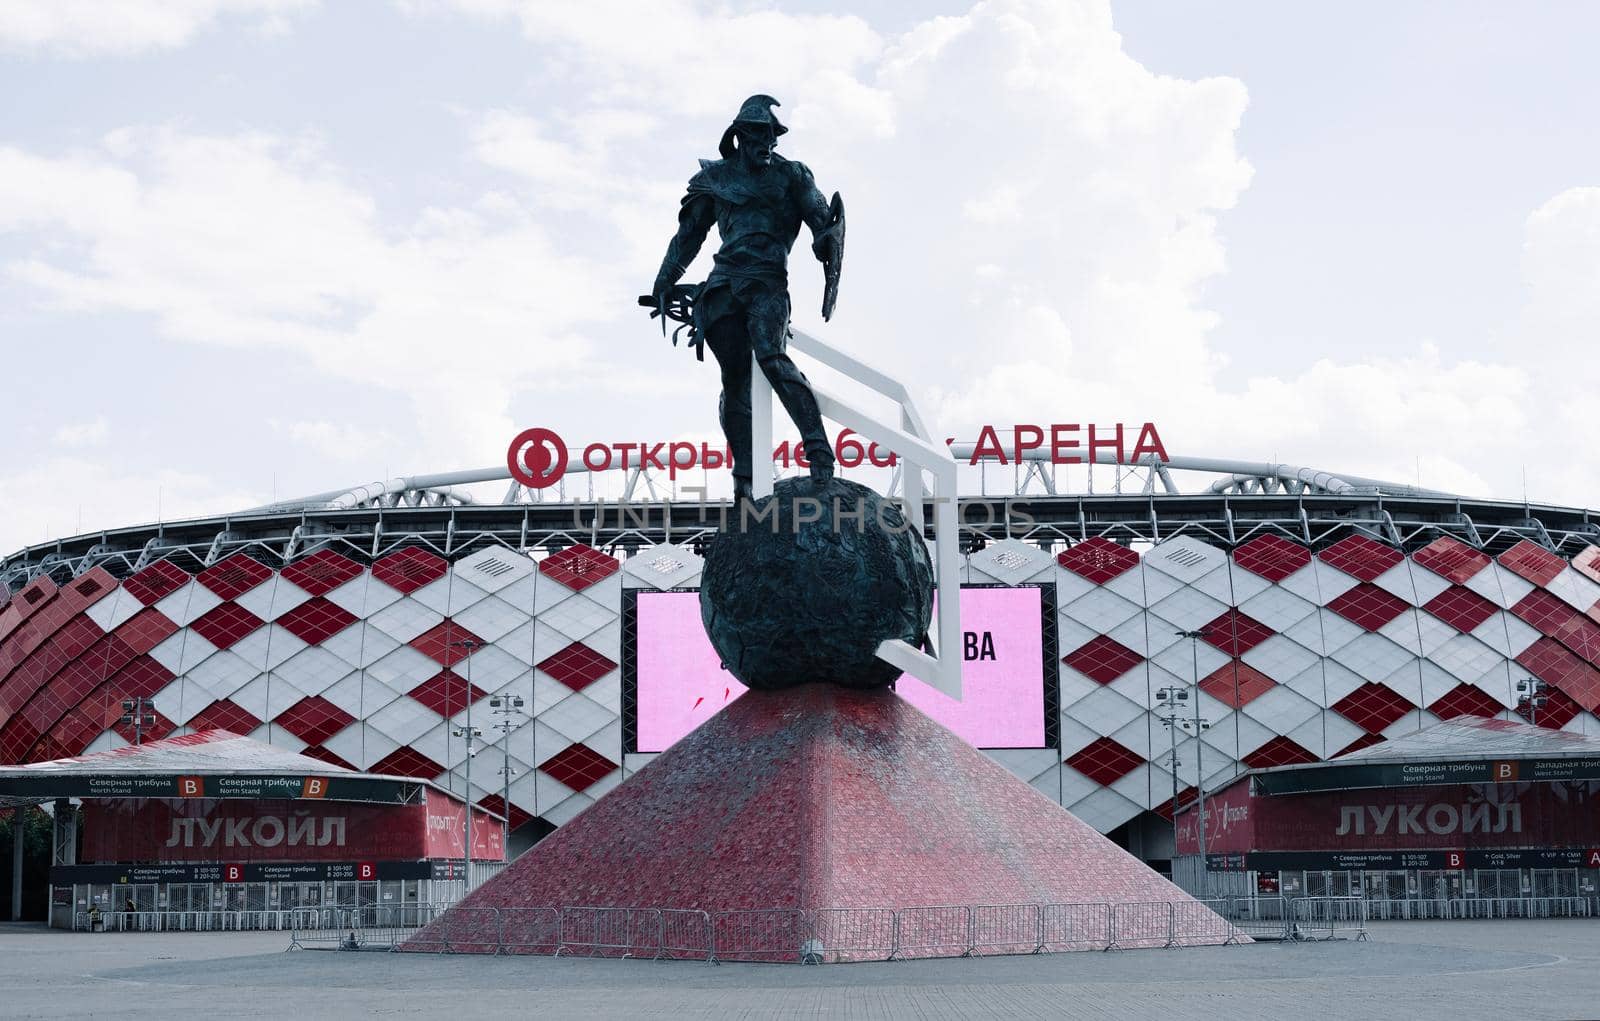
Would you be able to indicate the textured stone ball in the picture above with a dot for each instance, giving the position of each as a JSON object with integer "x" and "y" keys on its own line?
{"x": 803, "y": 601}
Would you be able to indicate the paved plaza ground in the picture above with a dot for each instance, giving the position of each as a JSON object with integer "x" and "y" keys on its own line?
{"x": 1410, "y": 971}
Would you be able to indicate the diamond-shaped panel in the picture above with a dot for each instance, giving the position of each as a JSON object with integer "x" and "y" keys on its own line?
{"x": 272, "y": 599}
{"x": 494, "y": 569}
{"x": 225, "y": 624}
{"x": 446, "y": 693}
{"x": 312, "y": 670}
{"x": 1533, "y": 562}
{"x": 1236, "y": 633}
{"x": 578, "y": 766}
{"x": 1277, "y": 608}
{"x": 1586, "y": 562}
{"x": 1368, "y": 606}
{"x": 234, "y": 575}
{"x": 1098, "y": 560}
{"x": 1280, "y": 658}
{"x": 1451, "y": 558}
{"x": 316, "y": 620}
{"x": 1009, "y": 561}
{"x": 1185, "y": 559}
{"x": 577, "y": 618}
{"x": 322, "y": 754}
{"x": 491, "y": 618}
{"x": 1582, "y": 635}
{"x": 1189, "y": 608}
{"x": 1103, "y": 659}
{"x": 514, "y": 815}
{"x": 1501, "y": 587}
{"x": 1372, "y": 707}
{"x": 321, "y": 572}
{"x": 1237, "y": 684}
{"x": 577, "y": 567}
{"x": 1104, "y": 761}
{"x": 1272, "y": 557}
{"x": 403, "y": 721}
{"x": 577, "y": 666}
{"x": 156, "y": 582}
{"x": 444, "y": 643}
{"x": 1100, "y": 610}
{"x": 363, "y": 596}
{"x": 406, "y": 761}
{"x": 1364, "y": 741}
{"x": 1461, "y": 608}
{"x": 224, "y": 715}
{"x": 188, "y": 603}
{"x": 409, "y": 569}
{"x": 1360, "y": 557}
{"x": 145, "y": 630}
{"x": 1280, "y": 751}
{"x": 314, "y": 719}
{"x": 1554, "y": 663}
{"x": 1465, "y": 700}
{"x": 1544, "y": 611}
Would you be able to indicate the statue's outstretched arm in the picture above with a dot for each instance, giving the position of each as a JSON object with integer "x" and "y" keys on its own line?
{"x": 695, "y": 218}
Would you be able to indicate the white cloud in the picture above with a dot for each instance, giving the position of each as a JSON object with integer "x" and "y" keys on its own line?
{"x": 82, "y": 28}
{"x": 84, "y": 434}
{"x": 71, "y": 494}
{"x": 339, "y": 440}
{"x": 254, "y": 241}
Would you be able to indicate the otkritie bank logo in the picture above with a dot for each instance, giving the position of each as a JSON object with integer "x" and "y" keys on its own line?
{"x": 537, "y": 458}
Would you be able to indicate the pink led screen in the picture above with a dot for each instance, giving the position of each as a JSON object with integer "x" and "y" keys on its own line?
{"x": 680, "y": 683}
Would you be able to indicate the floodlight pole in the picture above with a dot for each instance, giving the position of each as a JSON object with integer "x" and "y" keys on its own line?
{"x": 1199, "y": 772}
{"x": 507, "y": 707}
{"x": 1169, "y": 698}
{"x": 466, "y": 852}
{"x": 1533, "y": 696}
{"x": 141, "y": 713}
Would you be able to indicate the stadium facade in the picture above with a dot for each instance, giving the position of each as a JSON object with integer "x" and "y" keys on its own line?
{"x": 1316, "y": 613}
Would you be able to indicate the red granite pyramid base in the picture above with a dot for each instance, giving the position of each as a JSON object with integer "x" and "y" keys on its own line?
{"x": 820, "y": 808}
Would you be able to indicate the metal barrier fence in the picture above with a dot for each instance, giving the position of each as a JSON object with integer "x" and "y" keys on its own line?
{"x": 834, "y": 934}
{"x": 1262, "y": 918}
{"x": 1437, "y": 909}
{"x": 1066, "y": 927}
{"x": 1320, "y": 918}
{"x": 182, "y": 921}
{"x": 826, "y": 934}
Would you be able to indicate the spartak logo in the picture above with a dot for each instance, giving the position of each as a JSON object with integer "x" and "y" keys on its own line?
{"x": 537, "y": 458}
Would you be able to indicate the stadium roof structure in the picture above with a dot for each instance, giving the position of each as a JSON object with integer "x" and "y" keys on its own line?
{"x": 220, "y": 764}
{"x": 1311, "y": 506}
{"x": 1467, "y": 749}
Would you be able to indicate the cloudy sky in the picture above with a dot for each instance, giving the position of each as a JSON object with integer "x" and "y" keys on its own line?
{"x": 257, "y": 248}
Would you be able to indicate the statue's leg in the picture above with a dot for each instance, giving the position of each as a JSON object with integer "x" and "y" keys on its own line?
{"x": 732, "y": 349}
{"x": 795, "y": 392}
{"x": 768, "y": 319}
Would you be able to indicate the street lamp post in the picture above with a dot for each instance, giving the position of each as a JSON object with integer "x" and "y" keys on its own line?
{"x": 1169, "y": 699}
{"x": 469, "y": 733}
{"x": 1199, "y": 727}
{"x": 139, "y": 712}
{"x": 1531, "y": 695}
{"x": 508, "y": 708}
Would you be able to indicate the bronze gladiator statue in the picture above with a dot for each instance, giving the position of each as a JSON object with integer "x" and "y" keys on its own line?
{"x": 758, "y": 200}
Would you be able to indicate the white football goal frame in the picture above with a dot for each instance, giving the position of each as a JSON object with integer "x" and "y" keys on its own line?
{"x": 919, "y": 452}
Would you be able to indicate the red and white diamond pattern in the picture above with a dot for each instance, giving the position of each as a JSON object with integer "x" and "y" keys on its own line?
{"x": 1305, "y": 654}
